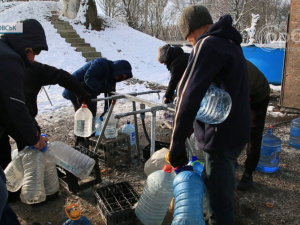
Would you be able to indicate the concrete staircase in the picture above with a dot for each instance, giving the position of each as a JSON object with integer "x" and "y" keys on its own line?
{"x": 66, "y": 31}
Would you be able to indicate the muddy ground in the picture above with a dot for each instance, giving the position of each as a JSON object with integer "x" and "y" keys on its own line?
{"x": 282, "y": 188}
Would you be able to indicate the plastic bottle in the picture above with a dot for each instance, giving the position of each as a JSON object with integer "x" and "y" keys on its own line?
{"x": 14, "y": 173}
{"x": 197, "y": 152}
{"x": 294, "y": 140}
{"x": 215, "y": 106}
{"x": 75, "y": 217}
{"x": 269, "y": 154}
{"x": 196, "y": 164}
{"x": 156, "y": 197}
{"x": 33, "y": 190}
{"x": 156, "y": 162}
{"x": 111, "y": 128}
{"x": 130, "y": 130}
{"x": 70, "y": 159}
{"x": 83, "y": 122}
{"x": 51, "y": 182}
{"x": 14, "y": 153}
{"x": 198, "y": 168}
{"x": 98, "y": 126}
{"x": 188, "y": 193}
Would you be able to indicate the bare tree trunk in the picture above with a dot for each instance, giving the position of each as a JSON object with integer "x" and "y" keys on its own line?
{"x": 146, "y": 17}
{"x": 92, "y": 18}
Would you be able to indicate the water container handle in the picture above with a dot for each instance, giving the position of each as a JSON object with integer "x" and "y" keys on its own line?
{"x": 43, "y": 149}
{"x": 73, "y": 207}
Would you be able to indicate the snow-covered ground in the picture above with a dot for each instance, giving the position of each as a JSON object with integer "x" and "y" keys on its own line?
{"x": 117, "y": 41}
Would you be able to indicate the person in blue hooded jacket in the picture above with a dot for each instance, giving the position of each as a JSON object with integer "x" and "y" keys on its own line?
{"x": 98, "y": 76}
{"x": 217, "y": 57}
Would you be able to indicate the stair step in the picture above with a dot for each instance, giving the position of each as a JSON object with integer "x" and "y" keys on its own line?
{"x": 69, "y": 35}
{"x": 65, "y": 26}
{"x": 75, "y": 40}
{"x": 85, "y": 49}
{"x": 80, "y": 45}
{"x": 91, "y": 54}
{"x": 87, "y": 59}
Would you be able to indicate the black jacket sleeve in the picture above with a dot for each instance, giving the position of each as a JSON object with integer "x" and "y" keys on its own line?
{"x": 50, "y": 75}
{"x": 177, "y": 68}
{"x": 13, "y": 112}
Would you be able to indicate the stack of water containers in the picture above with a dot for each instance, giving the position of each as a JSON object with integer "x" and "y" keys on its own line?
{"x": 269, "y": 153}
{"x": 294, "y": 140}
{"x": 35, "y": 171}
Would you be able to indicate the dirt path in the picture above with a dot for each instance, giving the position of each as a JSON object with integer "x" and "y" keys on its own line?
{"x": 282, "y": 188}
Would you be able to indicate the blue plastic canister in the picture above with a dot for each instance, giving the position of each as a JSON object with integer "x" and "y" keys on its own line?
{"x": 269, "y": 153}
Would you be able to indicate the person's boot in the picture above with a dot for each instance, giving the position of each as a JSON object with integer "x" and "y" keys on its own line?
{"x": 246, "y": 183}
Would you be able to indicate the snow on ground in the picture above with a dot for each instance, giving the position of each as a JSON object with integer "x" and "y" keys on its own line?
{"x": 117, "y": 41}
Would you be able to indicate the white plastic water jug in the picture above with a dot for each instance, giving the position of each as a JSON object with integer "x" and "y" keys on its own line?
{"x": 83, "y": 122}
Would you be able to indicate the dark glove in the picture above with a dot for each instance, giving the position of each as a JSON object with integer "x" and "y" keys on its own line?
{"x": 178, "y": 159}
{"x": 166, "y": 100}
{"x": 85, "y": 98}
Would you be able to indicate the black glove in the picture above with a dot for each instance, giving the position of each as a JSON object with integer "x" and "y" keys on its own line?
{"x": 178, "y": 159}
{"x": 85, "y": 98}
{"x": 166, "y": 100}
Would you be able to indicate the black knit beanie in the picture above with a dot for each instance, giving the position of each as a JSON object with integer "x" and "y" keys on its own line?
{"x": 193, "y": 17}
{"x": 162, "y": 53}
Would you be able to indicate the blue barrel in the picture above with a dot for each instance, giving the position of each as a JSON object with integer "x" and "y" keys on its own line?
{"x": 188, "y": 193}
{"x": 294, "y": 140}
{"x": 269, "y": 153}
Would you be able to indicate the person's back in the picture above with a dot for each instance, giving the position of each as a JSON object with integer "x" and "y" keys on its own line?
{"x": 259, "y": 92}
{"x": 176, "y": 61}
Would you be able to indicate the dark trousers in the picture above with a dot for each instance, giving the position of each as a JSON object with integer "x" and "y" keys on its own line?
{"x": 5, "y": 151}
{"x": 258, "y": 116}
{"x": 219, "y": 178}
{"x": 7, "y": 216}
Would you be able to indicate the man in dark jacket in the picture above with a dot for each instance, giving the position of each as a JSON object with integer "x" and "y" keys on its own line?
{"x": 18, "y": 50}
{"x": 176, "y": 61}
{"x": 259, "y": 89}
{"x": 217, "y": 58}
{"x": 37, "y": 76}
{"x": 98, "y": 76}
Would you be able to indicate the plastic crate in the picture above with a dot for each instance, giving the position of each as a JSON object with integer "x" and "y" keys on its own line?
{"x": 116, "y": 202}
{"x": 158, "y": 145}
{"x": 111, "y": 150}
{"x": 75, "y": 184}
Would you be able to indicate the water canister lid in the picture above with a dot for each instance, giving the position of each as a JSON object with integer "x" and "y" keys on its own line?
{"x": 75, "y": 214}
{"x": 83, "y": 106}
{"x": 194, "y": 158}
{"x": 168, "y": 168}
{"x": 128, "y": 122}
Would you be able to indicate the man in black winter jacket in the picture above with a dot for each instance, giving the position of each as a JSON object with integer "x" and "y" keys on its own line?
{"x": 176, "y": 61}
{"x": 217, "y": 58}
{"x": 16, "y": 51}
{"x": 37, "y": 76}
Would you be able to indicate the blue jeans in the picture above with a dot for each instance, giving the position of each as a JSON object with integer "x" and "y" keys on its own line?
{"x": 220, "y": 177}
{"x": 7, "y": 216}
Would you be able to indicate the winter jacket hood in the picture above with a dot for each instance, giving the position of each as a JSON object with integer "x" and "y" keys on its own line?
{"x": 223, "y": 28}
{"x": 173, "y": 53}
{"x": 121, "y": 67}
{"x": 33, "y": 36}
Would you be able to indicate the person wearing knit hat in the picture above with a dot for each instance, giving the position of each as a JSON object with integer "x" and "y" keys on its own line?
{"x": 217, "y": 58}
{"x": 176, "y": 61}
